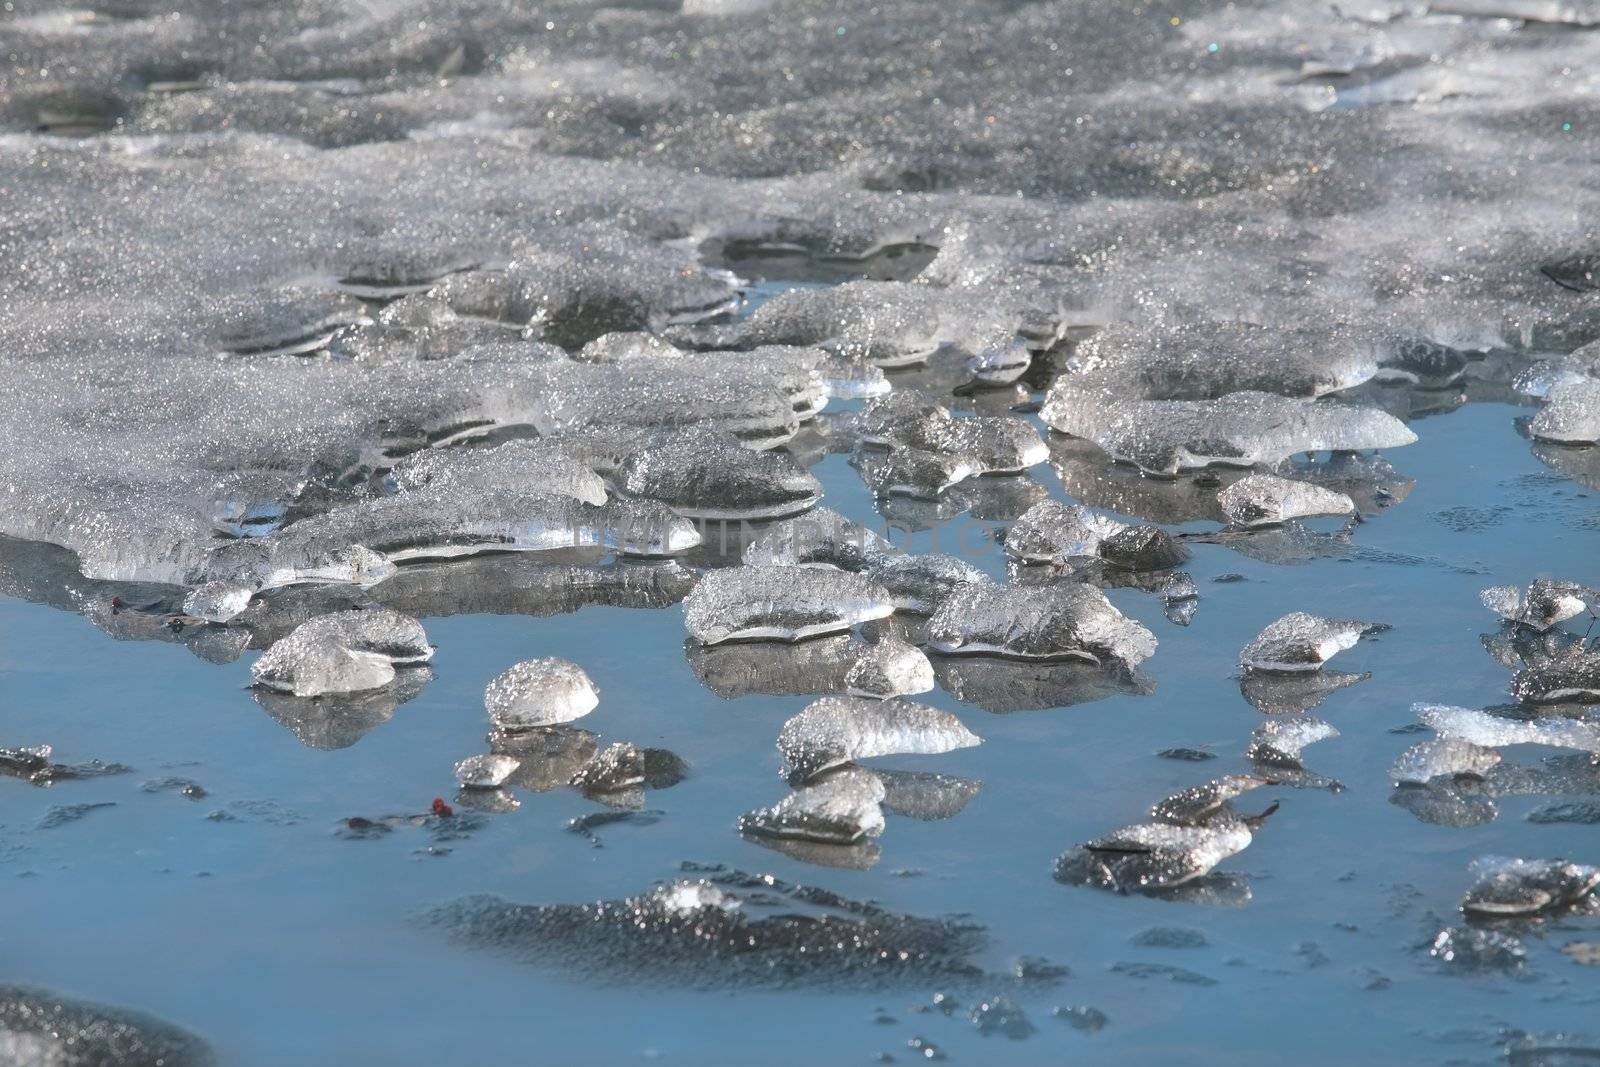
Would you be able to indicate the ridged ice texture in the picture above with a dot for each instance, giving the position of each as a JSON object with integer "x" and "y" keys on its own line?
{"x": 1238, "y": 430}
{"x": 1300, "y": 641}
{"x": 1571, "y": 414}
{"x": 835, "y": 730}
{"x": 1280, "y": 741}
{"x": 1445, "y": 757}
{"x": 780, "y": 604}
{"x": 890, "y": 667}
{"x": 708, "y": 474}
{"x": 1266, "y": 499}
{"x": 1495, "y": 731}
{"x": 1207, "y": 360}
{"x": 1064, "y": 621}
{"x": 345, "y": 652}
{"x": 1544, "y": 603}
{"x": 1504, "y": 887}
{"x": 539, "y": 692}
{"x": 840, "y": 809}
{"x": 39, "y": 1028}
{"x": 487, "y": 771}
{"x": 820, "y": 538}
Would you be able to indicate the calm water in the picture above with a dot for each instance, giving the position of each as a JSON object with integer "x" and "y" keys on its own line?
{"x": 281, "y": 941}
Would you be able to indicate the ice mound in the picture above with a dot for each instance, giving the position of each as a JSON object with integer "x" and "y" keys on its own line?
{"x": 1209, "y": 360}
{"x": 1574, "y": 677}
{"x": 1544, "y": 603}
{"x": 758, "y": 932}
{"x": 1495, "y": 731}
{"x": 1303, "y": 642}
{"x": 836, "y": 730}
{"x": 1244, "y": 429}
{"x": 1206, "y": 804}
{"x": 840, "y": 809}
{"x": 38, "y": 1027}
{"x": 1278, "y": 742}
{"x": 1448, "y": 758}
{"x": 918, "y": 583}
{"x": 1063, "y": 621}
{"x": 709, "y": 475}
{"x": 913, "y": 472}
{"x": 780, "y": 604}
{"x": 1514, "y": 887}
{"x": 486, "y": 772}
{"x": 539, "y": 692}
{"x": 1267, "y": 500}
{"x": 1071, "y": 535}
{"x": 1152, "y": 857}
{"x": 342, "y": 653}
{"x": 1571, "y": 414}
{"x": 889, "y": 667}
{"x": 821, "y": 538}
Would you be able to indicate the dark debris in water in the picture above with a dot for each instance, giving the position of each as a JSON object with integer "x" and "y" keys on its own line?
{"x": 1180, "y": 975}
{"x": 728, "y": 930}
{"x": 62, "y": 814}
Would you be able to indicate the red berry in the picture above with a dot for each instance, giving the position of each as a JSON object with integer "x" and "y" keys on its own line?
{"x": 441, "y": 809}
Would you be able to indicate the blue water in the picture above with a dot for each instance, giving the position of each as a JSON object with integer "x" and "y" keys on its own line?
{"x": 282, "y": 941}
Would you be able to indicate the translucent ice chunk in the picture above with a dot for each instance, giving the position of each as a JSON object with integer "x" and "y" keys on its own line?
{"x": 707, "y": 474}
{"x": 1237, "y": 430}
{"x": 1545, "y": 602}
{"x": 1207, "y": 360}
{"x": 217, "y": 601}
{"x": 780, "y": 604}
{"x": 840, "y": 809}
{"x": 918, "y": 583}
{"x": 890, "y": 668}
{"x": 1279, "y": 741}
{"x": 835, "y": 730}
{"x": 1302, "y": 642}
{"x": 40, "y": 1028}
{"x": 1571, "y": 414}
{"x": 1206, "y": 804}
{"x": 1053, "y": 532}
{"x": 486, "y": 772}
{"x": 913, "y": 472}
{"x": 1526, "y": 887}
{"x": 1152, "y": 856}
{"x": 1574, "y": 677}
{"x": 1495, "y": 731}
{"x": 1266, "y": 499}
{"x": 1064, "y": 621}
{"x": 342, "y": 653}
{"x": 539, "y": 692}
{"x": 1443, "y": 758}
{"x": 821, "y": 538}
{"x": 543, "y": 466}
